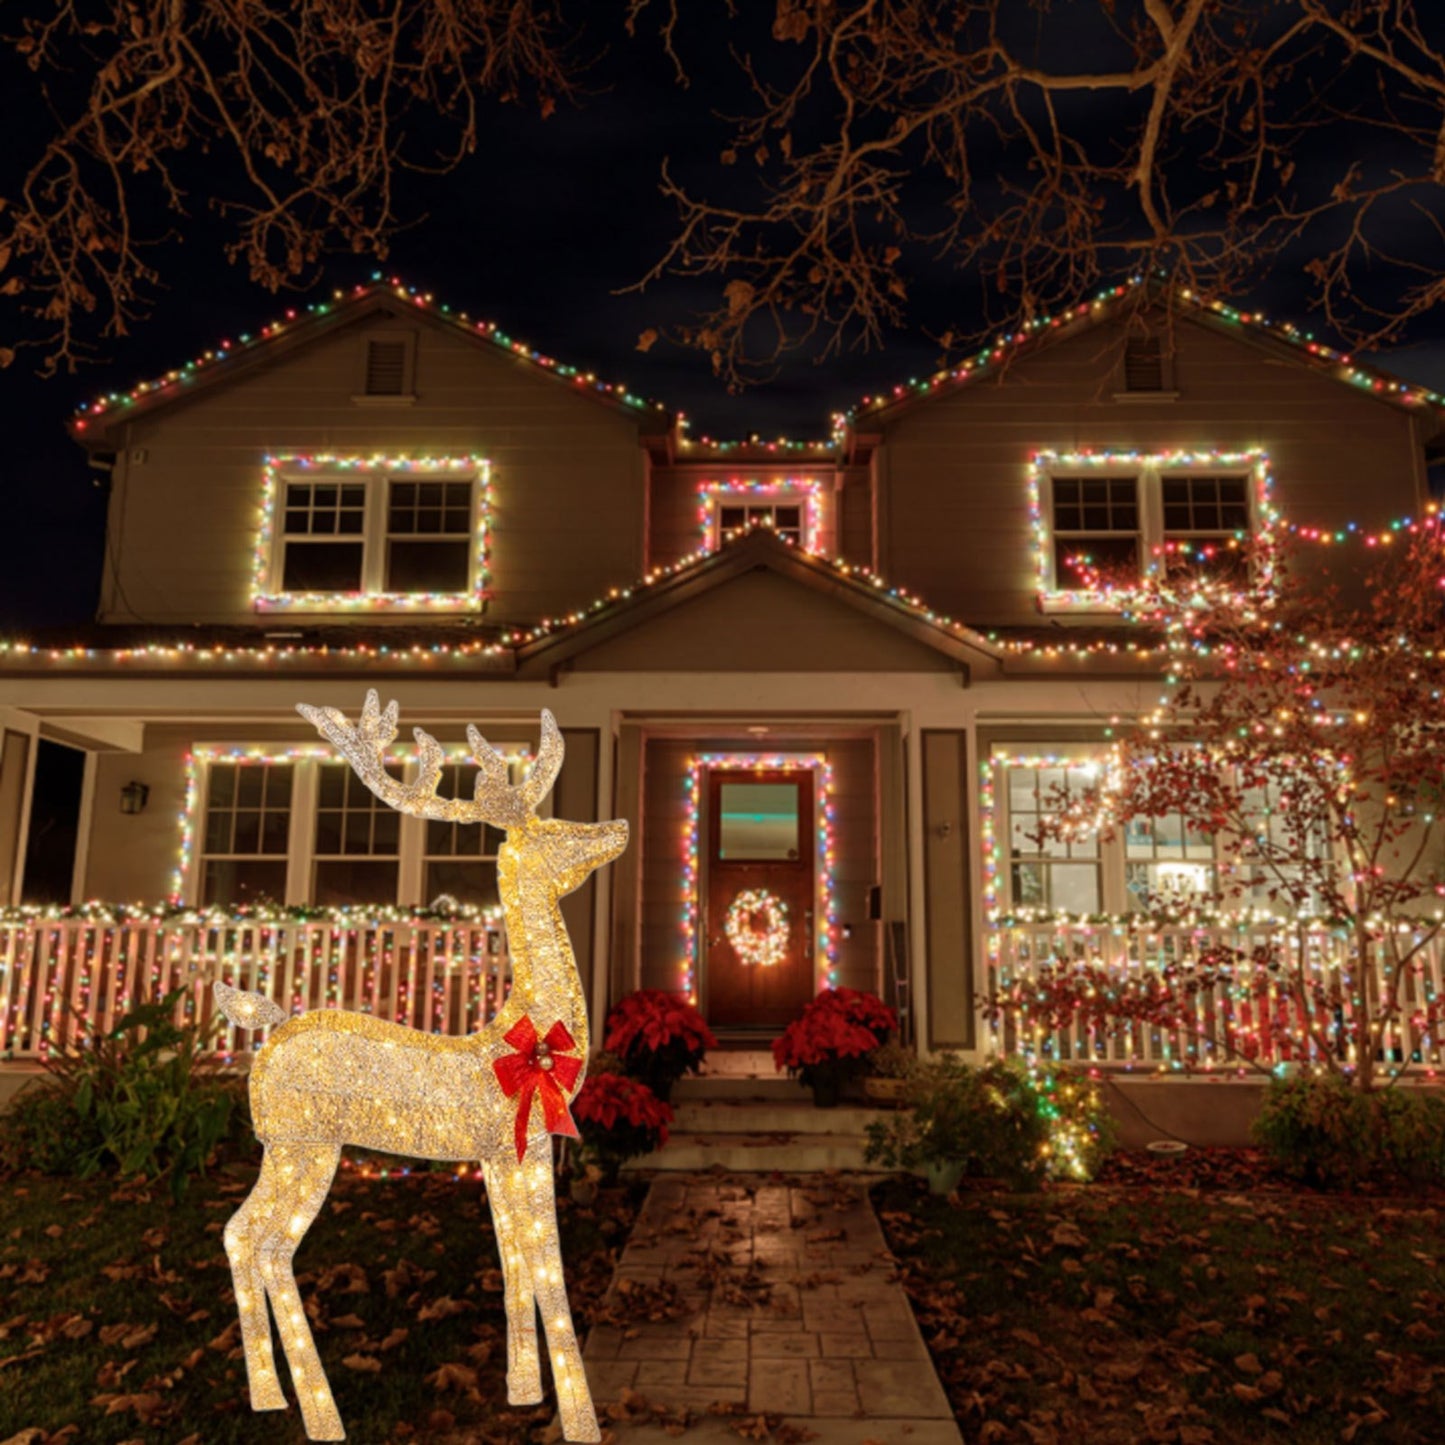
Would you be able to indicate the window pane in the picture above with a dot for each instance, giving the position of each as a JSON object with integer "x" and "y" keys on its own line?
{"x": 1074, "y": 887}
{"x": 218, "y": 831}
{"x": 758, "y": 820}
{"x": 226, "y": 881}
{"x": 332, "y": 785}
{"x": 322, "y": 567}
{"x": 248, "y": 833}
{"x": 249, "y": 784}
{"x": 427, "y": 566}
{"x": 356, "y": 834}
{"x": 221, "y": 785}
{"x": 328, "y": 832}
{"x": 385, "y": 831}
{"x": 354, "y": 880}
{"x": 467, "y": 882}
{"x": 275, "y": 828}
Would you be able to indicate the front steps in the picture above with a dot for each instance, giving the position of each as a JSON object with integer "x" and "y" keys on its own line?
{"x": 740, "y": 1114}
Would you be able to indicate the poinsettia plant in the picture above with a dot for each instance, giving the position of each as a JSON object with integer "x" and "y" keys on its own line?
{"x": 619, "y": 1118}
{"x": 833, "y": 1037}
{"x": 659, "y": 1036}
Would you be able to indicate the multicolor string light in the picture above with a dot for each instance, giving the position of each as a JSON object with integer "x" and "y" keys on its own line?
{"x": 805, "y": 492}
{"x": 698, "y": 766}
{"x": 175, "y": 381}
{"x": 373, "y": 471}
{"x": 1148, "y": 468}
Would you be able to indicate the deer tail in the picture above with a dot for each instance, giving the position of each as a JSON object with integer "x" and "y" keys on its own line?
{"x": 248, "y": 1010}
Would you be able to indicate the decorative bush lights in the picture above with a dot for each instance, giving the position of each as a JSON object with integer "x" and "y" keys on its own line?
{"x": 829, "y": 1043}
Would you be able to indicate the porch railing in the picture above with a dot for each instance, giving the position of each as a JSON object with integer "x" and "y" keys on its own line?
{"x": 1237, "y": 1009}
{"x": 61, "y": 979}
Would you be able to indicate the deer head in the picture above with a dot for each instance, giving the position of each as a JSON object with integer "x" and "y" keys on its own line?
{"x": 566, "y": 852}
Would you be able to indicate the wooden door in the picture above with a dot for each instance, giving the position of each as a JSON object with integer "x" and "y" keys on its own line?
{"x": 761, "y": 889}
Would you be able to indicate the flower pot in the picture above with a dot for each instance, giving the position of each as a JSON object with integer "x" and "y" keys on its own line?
{"x": 827, "y": 1087}
{"x": 884, "y": 1091}
{"x": 943, "y": 1176}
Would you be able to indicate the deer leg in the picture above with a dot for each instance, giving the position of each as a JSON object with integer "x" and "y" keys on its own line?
{"x": 524, "y": 1365}
{"x": 303, "y": 1174}
{"x": 240, "y": 1241}
{"x": 533, "y": 1207}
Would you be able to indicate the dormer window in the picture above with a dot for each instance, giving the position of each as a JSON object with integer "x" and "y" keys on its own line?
{"x": 790, "y": 508}
{"x": 349, "y": 533}
{"x": 388, "y": 369}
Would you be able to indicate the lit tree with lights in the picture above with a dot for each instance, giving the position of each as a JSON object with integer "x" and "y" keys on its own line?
{"x": 1302, "y": 726}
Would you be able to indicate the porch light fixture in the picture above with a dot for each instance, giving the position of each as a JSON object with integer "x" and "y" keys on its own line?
{"x": 133, "y": 797}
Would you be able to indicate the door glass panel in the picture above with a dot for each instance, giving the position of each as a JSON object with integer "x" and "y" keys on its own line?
{"x": 758, "y": 821}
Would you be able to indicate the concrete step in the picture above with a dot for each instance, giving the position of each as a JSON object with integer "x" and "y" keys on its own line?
{"x": 793, "y": 1115}
{"x": 757, "y": 1153}
{"x": 777, "y": 1087}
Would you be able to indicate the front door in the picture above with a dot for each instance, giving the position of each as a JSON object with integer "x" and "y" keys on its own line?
{"x": 758, "y": 922}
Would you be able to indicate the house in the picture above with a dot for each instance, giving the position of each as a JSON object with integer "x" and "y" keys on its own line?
{"x": 827, "y": 683}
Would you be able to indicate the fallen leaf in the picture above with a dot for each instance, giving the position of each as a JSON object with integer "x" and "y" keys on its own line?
{"x": 364, "y": 1363}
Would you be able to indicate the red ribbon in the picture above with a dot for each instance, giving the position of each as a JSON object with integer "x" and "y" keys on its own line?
{"x": 522, "y": 1073}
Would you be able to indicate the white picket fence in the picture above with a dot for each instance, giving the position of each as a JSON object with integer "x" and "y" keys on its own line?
{"x": 1250, "y": 1012}
{"x": 61, "y": 979}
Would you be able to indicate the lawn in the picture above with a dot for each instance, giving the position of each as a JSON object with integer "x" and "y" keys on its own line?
{"x": 118, "y": 1323}
{"x": 1131, "y": 1312}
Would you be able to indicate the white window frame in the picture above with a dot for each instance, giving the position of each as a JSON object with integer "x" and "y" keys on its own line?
{"x": 1113, "y": 858}
{"x": 268, "y": 592}
{"x": 1150, "y": 471}
{"x": 301, "y": 856}
{"x": 805, "y": 493}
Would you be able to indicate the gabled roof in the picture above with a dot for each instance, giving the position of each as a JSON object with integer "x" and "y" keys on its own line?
{"x": 299, "y": 328}
{"x": 1283, "y": 338}
{"x": 555, "y": 643}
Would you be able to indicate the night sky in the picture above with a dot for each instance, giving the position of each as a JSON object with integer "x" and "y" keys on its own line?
{"x": 536, "y": 232}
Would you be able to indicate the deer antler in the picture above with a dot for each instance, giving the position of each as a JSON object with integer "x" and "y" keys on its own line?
{"x": 495, "y": 801}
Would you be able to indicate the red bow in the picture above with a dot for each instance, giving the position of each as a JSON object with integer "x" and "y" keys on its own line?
{"x": 523, "y": 1073}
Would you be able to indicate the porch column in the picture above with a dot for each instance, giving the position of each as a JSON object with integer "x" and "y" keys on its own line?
{"x": 947, "y": 901}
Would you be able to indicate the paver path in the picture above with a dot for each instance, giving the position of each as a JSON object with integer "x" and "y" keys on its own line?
{"x": 769, "y": 1296}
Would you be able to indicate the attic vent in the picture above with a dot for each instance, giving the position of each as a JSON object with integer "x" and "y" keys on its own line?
{"x": 385, "y": 368}
{"x": 1143, "y": 364}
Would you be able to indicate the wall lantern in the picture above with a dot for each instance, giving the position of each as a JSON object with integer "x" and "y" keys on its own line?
{"x": 133, "y": 797}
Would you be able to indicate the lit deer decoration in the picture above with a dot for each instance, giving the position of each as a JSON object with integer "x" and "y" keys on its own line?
{"x": 330, "y": 1078}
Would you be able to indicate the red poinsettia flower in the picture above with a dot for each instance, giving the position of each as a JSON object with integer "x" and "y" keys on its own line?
{"x": 841, "y": 1023}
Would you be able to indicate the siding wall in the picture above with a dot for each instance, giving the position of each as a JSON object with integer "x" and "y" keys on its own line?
{"x": 567, "y": 475}
{"x": 952, "y": 469}
{"x": 855, "y": 830}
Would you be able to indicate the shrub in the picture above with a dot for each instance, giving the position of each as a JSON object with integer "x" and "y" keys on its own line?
{"x": 892, "y": 1061}
{"x": 833, "y": 1036}
{"x": 998, "y": 1121}
{"x": 659, "y": 1036}
{"x": 618, "y": 1118}
{"x": 153, "y": 1106}
{"x": 1326, "y": 1133}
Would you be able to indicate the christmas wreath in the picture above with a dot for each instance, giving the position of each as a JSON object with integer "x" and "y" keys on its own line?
{"x": 758, "y": 947}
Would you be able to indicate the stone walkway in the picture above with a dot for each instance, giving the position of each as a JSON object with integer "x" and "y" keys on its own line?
{"x": 756, "y": 1295}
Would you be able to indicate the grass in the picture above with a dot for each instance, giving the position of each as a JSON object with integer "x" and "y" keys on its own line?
{"x": 117, "y": 1318}
{"x": 1113, "y": 1314}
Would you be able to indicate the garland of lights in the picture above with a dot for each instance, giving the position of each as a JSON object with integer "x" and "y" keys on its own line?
{"x": 501, "y": 650}
{"x": 764, "y": 947}
{"x": 1249, "y": 1009}
{"x": 373, "y": 470}
{"x": 822, "y": 769}
{"x": 807, "y": 491}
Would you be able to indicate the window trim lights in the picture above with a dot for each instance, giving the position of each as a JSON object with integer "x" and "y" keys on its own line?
{"x": 1150, "y": 468}
{"x": 374, "y": 472}
{"x": 301, "y": 856}
{"x": 803, "y": 492}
